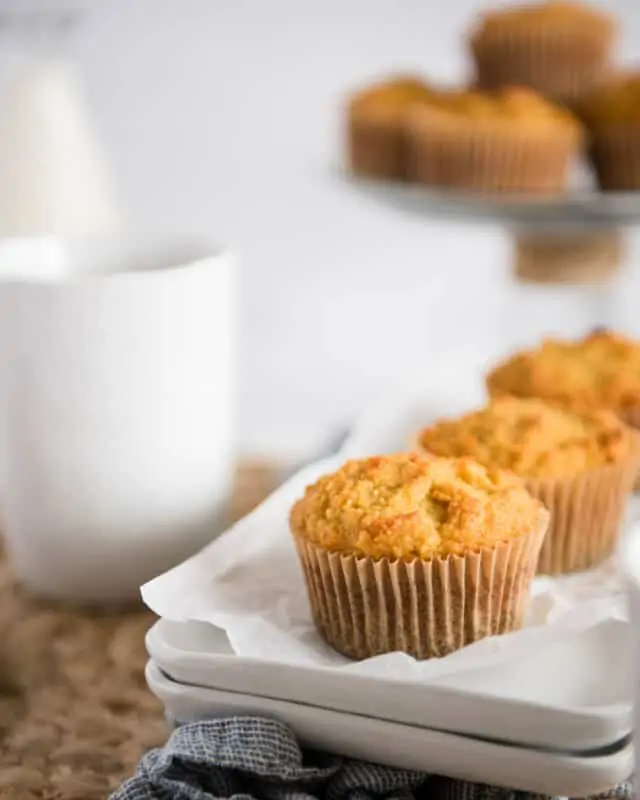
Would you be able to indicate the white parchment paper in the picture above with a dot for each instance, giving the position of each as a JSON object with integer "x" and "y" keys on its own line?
{"x": 248, "y": 582}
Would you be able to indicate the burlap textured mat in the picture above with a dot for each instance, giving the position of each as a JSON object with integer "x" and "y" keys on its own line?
{"x": 75, "y": 713}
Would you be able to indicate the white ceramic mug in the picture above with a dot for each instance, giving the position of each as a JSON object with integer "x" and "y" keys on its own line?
{"x": 116, "y": 398}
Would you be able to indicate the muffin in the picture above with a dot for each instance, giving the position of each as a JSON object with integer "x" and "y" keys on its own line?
{"x": 562, "y": 50}
{"x": 612, "y": 117}
{"x": 415, "y": 553}
{"x": 376, "y": 127}
{"x": 602, "y": 370}
{"x": 511, "y": 140}
{"x": 581, "y": 463}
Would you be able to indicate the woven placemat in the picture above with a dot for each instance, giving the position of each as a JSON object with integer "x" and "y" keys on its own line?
{"x": 75, "y": 712}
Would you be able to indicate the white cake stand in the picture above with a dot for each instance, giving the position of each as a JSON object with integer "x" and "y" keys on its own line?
{"x": 577, "y": 209}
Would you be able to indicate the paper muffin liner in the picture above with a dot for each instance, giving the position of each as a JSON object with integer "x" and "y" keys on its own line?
{"x": 568, "y": 259}
{"x": 487, "y": 158}
{"x": 631, "y": 416}
{"x": 377, "y": 147}
{"x": 561, "y": 67}
{"x": 586, "y": 515}
{"x": 615, "y": 157}
{"x": 365, "y": 607}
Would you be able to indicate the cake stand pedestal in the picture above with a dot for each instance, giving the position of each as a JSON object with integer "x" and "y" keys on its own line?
{"x": 575, "y": 258}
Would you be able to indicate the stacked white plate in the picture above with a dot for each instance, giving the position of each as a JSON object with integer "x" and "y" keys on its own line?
{"x": 547, "y": 709}
{"x": 559, "y": 724}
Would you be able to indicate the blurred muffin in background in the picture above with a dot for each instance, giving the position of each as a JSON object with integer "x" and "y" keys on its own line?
{"x": 417, "y": 554}
{"x": 560, "y": 49}
{"x": 376, "y": 131}
{"x": 611, "y": 114}
{"x": 581, "y": 463}
{"x": 511, "y": 140}
{"x": 602, "y": 370}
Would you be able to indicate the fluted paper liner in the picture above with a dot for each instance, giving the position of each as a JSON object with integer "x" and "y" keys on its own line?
{"x": 631, "y": 416}
{"x": 563, "y": 68}
{"x": 376, "y": 146}
{"x": 365, "y": 607}
{"x": 586, "y": 515}
{"x": 615, "y": 155}
{"x": 477, "y": 157}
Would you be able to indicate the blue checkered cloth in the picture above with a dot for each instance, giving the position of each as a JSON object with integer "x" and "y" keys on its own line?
{"x": 250, "y": 757}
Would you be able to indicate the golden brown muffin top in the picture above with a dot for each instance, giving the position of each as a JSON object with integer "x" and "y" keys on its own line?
{"x": 532, "y": 438}
{"x": 515, "y": 105}
{"x": 555, "y": 15}
{"x": 616, "y": 102}
{"x": 601, "y": 370}
{"x": 392, "y": 95}
{"x": 410, "y": 506}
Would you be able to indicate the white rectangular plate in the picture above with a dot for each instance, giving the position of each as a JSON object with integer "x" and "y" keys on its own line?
{"x": 406, "y": 746}
{"x": 555, "y": 699}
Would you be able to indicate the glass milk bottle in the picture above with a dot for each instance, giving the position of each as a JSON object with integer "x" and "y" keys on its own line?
{"x": 56, "y": 177}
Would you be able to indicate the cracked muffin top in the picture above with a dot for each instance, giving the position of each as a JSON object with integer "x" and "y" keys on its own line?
{"x": 600, "y": 370}
{"x": 532, "y": 438}
{"x": 391, "y": 96}
{"x": 409, "y": 506}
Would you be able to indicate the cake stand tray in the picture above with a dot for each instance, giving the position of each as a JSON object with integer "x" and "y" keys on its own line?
{"x": 578, "y": 208}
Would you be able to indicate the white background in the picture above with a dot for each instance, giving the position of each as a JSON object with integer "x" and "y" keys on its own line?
{"x": 224, "y": 116}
